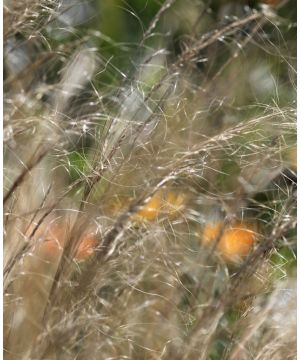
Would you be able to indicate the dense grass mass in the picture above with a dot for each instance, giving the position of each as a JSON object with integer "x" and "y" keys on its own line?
{"x": 149, "y": 179}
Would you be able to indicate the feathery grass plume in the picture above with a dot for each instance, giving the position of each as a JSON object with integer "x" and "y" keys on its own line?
{"x": 149, "y": 179}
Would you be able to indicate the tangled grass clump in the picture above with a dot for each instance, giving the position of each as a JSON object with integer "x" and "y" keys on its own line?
{"x": 149, "y": 180}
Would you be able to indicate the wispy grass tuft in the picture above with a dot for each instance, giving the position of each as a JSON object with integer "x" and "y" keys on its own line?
{"x": 149, "y": 180}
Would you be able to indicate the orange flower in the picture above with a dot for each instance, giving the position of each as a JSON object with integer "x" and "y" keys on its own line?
{"x": 211, "y": 233}
{"x": 292, "y": 158}
{"x": 233, "y": 242}
{"x": 86, "y": 247}
{"x": 168, "y": 203}
{"x": 151, "y": 210}
{"x": 175, "y": 202}
{"x": 52, "y": 239}
{"x": 271, "y": 2}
